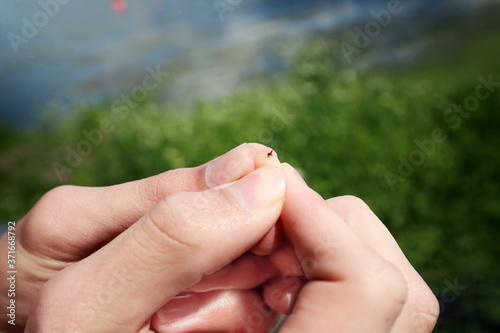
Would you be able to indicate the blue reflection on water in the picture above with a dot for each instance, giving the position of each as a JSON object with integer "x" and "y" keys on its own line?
{"x": 87, "y": 53}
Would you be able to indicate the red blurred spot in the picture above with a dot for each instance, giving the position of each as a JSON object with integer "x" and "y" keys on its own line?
{"x": 119, "y": 6}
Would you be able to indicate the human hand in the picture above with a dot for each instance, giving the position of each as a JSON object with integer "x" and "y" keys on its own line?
{"x": 339, "y": 269}
{"x": 70, "y": 223}
{"x": 358, "y": 279}
{"x": 280, "y": 292}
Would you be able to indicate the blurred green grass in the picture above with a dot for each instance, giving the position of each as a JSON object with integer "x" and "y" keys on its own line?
{"x": 344, "y": 130}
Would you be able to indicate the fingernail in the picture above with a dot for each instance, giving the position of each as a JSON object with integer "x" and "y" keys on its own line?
{"x": 229, "y": 167}
{"x": 177, "y": 308}
{"x": 262, "y": 188}
{"x": 288, "y": 298}
{"x": 295, "y": 172}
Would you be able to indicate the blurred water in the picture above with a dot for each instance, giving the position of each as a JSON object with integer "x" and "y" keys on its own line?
{"x": 86, "y": 53}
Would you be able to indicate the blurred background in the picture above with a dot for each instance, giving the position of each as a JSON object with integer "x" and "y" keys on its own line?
{"x": 396, "y": 102}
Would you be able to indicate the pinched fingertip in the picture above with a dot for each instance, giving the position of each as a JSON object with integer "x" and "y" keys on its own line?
{"x": 229, "y": 167}
{"x": 238, "y": 162}
{"x": 264, "y": 155}
{"x": 270, "y": 241}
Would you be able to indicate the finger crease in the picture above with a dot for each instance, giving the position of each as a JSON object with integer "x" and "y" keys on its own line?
{"x": 158, "y": 226}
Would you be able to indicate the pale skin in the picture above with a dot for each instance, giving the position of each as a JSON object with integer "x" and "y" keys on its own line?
{"x": 223, "y": 247}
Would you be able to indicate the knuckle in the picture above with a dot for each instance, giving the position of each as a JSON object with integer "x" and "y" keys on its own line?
{"x": 354, "y": 206}
{"x": 43, "y": 222}
{"x": 56, "y": 197}
{"x": 351, "y": 208}
{"x": 353, "y": 201}
{"x": 388, "y": 286}
{"x": 187, "y": 218}
{"x": 147, "y": 191}
{"x": 153, "y": 189}
{"x": 424, "y": 308}
{"x": 168, "y": 220}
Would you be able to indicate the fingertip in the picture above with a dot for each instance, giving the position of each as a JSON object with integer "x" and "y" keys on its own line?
{"x": 262, "y": 188}
{"x": 299, "y": 196}
{"x": 270, "y": 241}
{"x": 264, "y": 155}
{"x": 286, "y": 261}
{"x": 219, "y": 311}
{"x": 238, "y": 162}
{"x": 281, "y": 292}
{"x": 246, "y": 272}
{"x": 229, "y": 167}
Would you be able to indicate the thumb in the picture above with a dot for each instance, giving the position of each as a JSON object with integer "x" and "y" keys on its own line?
{"x": 186, "y": 236}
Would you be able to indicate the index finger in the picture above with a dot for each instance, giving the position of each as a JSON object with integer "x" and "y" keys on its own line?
{"x": 422, "y": 309}
{"x": 74, "y": 217}
{"x": 351, "y": 288}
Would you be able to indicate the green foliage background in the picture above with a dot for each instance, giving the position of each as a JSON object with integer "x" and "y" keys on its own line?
{"x": 344, "y": 129}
